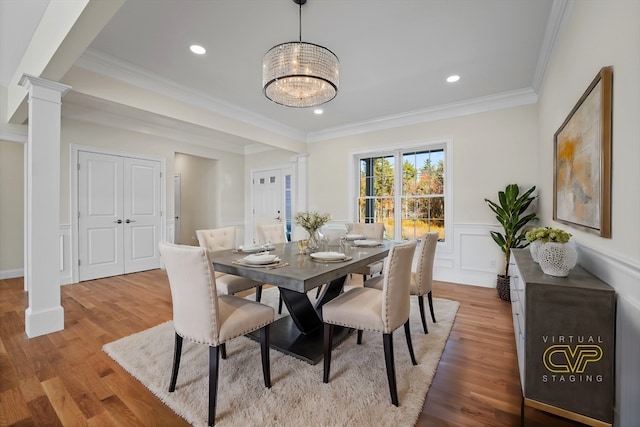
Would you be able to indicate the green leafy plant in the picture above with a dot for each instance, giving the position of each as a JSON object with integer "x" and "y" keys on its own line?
{"x": 547, "y": 234}
{"x": 510, "y": 213}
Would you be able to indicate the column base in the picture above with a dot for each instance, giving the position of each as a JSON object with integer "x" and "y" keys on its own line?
{"x": 43, "y": 322}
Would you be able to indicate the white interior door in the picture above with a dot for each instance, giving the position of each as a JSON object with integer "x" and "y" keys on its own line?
{"x": 119, "y": 216}
{"x": 100, "y": 215}
{"x": 142, "y": 219}
{"x": 268, "y": 200}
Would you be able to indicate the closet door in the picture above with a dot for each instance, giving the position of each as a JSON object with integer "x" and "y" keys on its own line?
{"x": 142, "y": 219}
{"x": 100, "y": 215}
{"x": 119, "y": 216}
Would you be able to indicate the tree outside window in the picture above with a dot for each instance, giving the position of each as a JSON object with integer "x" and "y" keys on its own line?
{"x": 416, "y": 191}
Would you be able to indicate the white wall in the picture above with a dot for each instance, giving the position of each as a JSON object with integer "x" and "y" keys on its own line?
{"x": 598, "y": 34}
{"x": 11, "y": 208}
{"x": 231, "y": 173}
{"x": 227, "y": 203}
{"x": 199, "y": 195}
{"x": 481, "y": 143}
{"x": 490, "y": 150}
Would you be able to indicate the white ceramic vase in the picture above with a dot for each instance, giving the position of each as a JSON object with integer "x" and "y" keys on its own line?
{"x": 534, "y": 247}
{"x": 557, "y": 259}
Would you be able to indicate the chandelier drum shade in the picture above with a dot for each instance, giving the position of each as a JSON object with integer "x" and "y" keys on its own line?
{"x": 299, "y": 74}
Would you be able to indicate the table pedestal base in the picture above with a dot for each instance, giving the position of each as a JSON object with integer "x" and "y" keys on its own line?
{"x": 286, "y": 337}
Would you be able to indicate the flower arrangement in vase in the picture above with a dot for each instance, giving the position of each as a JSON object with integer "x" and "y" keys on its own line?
{"x": 551, "y": 249}
{"x": 311, "y": 222}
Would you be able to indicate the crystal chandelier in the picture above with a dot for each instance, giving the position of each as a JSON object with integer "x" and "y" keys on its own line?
{"x": 299, "y": 74}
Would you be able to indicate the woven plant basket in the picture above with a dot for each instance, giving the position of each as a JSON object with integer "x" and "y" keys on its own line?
{"x": 502, "y": 285}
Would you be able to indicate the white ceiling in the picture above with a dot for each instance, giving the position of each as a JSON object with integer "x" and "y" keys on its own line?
{"x": 394, "y": 55}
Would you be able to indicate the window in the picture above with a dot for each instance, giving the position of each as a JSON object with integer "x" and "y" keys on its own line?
{"x": 405, "y": 190}
{"x": 288, "y": 206}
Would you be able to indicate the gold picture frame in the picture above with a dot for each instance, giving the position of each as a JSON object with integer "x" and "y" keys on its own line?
{"x": 582, "y": 160}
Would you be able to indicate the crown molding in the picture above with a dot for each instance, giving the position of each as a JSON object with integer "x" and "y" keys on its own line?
{"x": 13, "y": 137}
{"x": 472, "y": 106}
{"x": 125, "y": 72}
{"x": 109, "y": 66}
{"x": 558, "y": 15}
{"x": 149, "y": 127}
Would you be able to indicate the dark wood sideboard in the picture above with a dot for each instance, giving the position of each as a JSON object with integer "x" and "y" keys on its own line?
{"x": 565, "y": 339}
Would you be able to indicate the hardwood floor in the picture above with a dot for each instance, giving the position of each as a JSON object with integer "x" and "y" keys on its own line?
{"x": 65, "y": 379}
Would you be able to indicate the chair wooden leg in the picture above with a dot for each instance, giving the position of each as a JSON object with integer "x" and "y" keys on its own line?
{"x": 328, "y": 342}
{"x": 223, "y": 351}
{"x": 280, "y": 305}
{"x": 213, "y": 383}
{"x": 359, "y": 339}
{"x": 421, "y": 306}
{"x": 387, "y": 340}
{"x": 407, "y": 333}
{"x": 264, "y": 350}
{"x": 176, "y": 363}
{"x": 433, "y": 315}
{"x": 258, "y": 293}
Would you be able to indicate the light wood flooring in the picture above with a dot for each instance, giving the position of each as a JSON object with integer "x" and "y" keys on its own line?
{"x": 65, "y": 379}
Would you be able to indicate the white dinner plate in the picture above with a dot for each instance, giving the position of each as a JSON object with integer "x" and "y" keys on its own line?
{"x": 367, "y": 243}
{"x": 329, "y": 256}
{"x": 259, "y": 259}
{"x": 354, "y": 236}
{"x": 252, "y": 248}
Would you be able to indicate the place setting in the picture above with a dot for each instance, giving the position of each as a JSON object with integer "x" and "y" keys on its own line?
{"x": 352, "y": 237}
{"x": 365, "y": 243}
{"x": 261, "y": 260}
{"x": 256, "y": 248}
{"x": 329, "y": 257}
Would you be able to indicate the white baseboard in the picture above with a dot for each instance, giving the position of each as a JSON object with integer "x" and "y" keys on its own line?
{"x": 11, "y": 274}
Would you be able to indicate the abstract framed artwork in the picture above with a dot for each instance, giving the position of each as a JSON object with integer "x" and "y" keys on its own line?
{"x": 582, "y": 160}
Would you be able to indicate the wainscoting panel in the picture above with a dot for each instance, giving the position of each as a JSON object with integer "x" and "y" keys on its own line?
{"x": 475, "y": 259}
{"x": 624, "y": 277}
{"x": 171, "y": 231}
{"x": 65, "y": 255}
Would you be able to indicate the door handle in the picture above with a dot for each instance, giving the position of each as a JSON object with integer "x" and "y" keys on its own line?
{"x": 129, "y": 220}
{"x": 118, "y": 221}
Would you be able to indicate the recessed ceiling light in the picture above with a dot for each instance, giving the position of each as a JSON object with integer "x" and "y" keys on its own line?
{"x": 197, "y": 49}
{"x": 454, "y": 78}
{"x": 318, "y": 111}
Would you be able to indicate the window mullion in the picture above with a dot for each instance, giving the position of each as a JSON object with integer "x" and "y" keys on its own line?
{"x": 397, "y": 202}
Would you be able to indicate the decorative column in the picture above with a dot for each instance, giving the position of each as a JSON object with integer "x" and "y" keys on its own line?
{"x": 42, "y": 206}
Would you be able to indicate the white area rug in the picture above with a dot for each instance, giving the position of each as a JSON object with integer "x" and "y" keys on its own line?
{"x": 357, "y": 393}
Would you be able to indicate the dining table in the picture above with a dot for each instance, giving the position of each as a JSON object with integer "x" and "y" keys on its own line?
{"x": 300, "y": 332}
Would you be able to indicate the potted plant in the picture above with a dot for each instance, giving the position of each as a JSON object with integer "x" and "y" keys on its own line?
{"x": 550, "y": 248}
{"x": 510, "y": 210}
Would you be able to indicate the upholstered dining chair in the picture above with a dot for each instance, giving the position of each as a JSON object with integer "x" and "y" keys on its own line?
{"x": 421, "y": 278}
{"x": 373, "y": 231}
{"x": 202, "y": 315}
{"x": 375, "y": 310}
{"x": 273, "y": 233}
{"x": 219, "y": 239}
